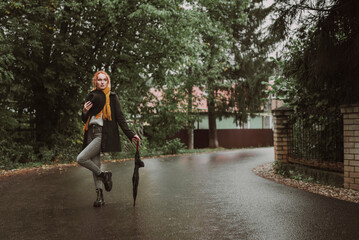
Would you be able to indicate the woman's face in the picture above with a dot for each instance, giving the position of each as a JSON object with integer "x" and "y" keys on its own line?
{"x": 101, "y": 81}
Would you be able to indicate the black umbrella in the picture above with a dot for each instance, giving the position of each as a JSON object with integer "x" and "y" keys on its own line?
{"x": 136, "y": 177}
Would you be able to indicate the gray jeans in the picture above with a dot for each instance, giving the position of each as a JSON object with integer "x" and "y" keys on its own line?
{"x": 90, "y": 156}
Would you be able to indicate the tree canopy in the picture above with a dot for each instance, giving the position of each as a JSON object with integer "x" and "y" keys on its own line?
{"x": 321, "y": 59}
{"x": 50, "y": 50}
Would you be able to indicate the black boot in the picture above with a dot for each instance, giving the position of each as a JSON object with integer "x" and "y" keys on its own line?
{"x": 99, "y": 200}
{"x": 106, "y": 178}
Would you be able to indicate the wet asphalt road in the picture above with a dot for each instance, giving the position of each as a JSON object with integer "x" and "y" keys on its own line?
{"x": 206, "y": 196}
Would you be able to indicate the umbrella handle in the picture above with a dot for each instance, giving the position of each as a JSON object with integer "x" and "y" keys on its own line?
{"x": 138, "y": 141}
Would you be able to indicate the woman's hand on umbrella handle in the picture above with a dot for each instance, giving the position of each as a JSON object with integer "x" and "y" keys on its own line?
{"x": 87, "y": 107}
{"x": 136, "y": 138}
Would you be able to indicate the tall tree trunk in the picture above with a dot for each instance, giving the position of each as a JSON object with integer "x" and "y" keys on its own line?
{"x": 190, "y": 139}
{"x": 190, "y": 122}
{"x": 212, "y": 133}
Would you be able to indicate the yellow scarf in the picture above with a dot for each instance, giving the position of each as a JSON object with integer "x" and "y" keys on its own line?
{"x": 106, "y": 111}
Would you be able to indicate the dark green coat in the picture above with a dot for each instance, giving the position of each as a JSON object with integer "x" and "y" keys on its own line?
{"x": 110, "y": 135}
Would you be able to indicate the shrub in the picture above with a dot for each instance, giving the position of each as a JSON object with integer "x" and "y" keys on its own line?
{"x": 173, "y": 146}
{"x": 278, "y": 168}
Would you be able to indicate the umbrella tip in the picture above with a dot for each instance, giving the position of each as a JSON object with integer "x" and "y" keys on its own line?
{"x": 134, "y": 203}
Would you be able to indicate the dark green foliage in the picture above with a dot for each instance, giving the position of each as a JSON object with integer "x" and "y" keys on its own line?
{"x": 250, "y": 47}
{"x": 318, "y": 71}
{"x": 54, "y": 48}
{"x": 235, "y": 59}
{"x": 173, "y": 146}
{"x": 50, "y": 50}
{"x": 322, "y": 57}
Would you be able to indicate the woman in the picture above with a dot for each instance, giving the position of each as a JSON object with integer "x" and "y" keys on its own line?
{"x": 101, "y": 131}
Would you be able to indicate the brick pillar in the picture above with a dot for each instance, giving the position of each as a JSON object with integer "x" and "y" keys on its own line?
{"x": 282, "y": 133}
{"x": 351, "y": 145}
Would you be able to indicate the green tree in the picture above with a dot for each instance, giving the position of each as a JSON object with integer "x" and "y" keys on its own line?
{"x": 51, "y": 48}
{"x": 250, "y": 66}
{"x": 56, "y": 45}
{"x": 175, "y": 109}
{"x": 236, "y": 59}
{"x": 322, "y": 54}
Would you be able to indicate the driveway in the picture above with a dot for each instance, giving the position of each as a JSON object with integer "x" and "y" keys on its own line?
{"x": 205, "y": 196}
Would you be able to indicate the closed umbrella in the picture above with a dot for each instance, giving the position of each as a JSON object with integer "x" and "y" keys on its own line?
{"x": 135, "y": 178}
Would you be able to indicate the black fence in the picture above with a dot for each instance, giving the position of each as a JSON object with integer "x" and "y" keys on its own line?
{"x": 317, "y": 139}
